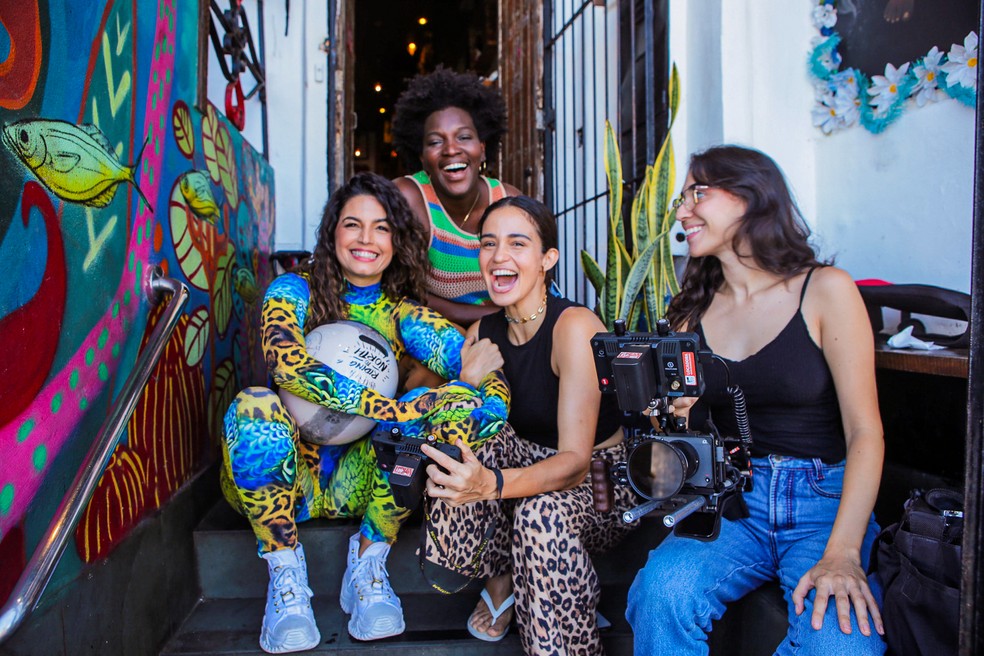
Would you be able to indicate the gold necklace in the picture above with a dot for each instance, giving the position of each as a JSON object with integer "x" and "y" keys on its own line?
{"x": 478, "y": 194}
{"x": 532, "y": 317}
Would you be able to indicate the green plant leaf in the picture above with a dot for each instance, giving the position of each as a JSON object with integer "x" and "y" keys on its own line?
{"x": 673, "y": 93}
{"x": 593, "y": 272}
{"x": 640, "y": 216}
{"x": 613, "y": 170}
{"x": 637, "y": 275}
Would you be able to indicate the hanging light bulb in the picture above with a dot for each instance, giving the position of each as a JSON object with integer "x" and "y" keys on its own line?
{"x": 412, "y": 48}
{"x": 378, "y": 87}
{"x": 422, "y": 20}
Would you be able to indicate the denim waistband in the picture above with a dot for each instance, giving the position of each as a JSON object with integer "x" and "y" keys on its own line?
{"x": 790, "y": 462}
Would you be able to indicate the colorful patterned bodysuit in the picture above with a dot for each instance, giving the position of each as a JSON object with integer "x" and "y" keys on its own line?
{"x": 454, "y": 273}
{"x": 276, "y": 479}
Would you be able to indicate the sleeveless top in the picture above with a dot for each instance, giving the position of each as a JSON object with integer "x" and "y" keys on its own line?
{"x": 454, "y": 273}
{"x": 534, "y": 387}
{"x": 789, "y": 390}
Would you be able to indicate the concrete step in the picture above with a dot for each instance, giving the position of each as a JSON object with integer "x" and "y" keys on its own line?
{"x": 435, "y": 627}
{"x": 230, "y": 569}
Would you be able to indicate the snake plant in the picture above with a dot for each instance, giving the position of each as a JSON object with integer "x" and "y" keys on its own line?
{"x": 643, "y": 279}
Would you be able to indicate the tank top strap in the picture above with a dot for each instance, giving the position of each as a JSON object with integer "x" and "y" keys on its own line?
{"x": 806, "y": 282}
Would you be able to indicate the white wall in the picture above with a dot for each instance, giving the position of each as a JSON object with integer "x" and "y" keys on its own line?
{"x": 896, "y": 206}
{"x": 297, "y": 110}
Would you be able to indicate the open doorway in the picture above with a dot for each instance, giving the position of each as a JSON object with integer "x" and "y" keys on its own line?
{"x": 395, "y": 41}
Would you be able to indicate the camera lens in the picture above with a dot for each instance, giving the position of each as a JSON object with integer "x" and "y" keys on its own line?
{"x": 657, "y": 470}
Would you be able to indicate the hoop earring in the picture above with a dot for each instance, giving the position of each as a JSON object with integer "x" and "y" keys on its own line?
{"x": 483, "y": 167}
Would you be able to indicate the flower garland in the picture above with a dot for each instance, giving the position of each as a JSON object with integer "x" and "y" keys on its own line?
{"x": 846, "y": 97}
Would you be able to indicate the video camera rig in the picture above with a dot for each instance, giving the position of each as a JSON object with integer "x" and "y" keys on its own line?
{"x": 689, "y": 475}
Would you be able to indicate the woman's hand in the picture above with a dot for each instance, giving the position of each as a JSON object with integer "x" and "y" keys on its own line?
{"x": 839, "y": 575}
{"x": 465, "y": 482}
{"x": 479, "y": 358}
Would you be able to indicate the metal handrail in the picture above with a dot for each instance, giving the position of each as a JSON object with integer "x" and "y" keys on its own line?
{"x": 38, "y": 571}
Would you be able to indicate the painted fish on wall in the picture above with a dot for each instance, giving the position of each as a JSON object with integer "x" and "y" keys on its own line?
{"x": 75, "y": 162}
{"x": 198, "y": 194}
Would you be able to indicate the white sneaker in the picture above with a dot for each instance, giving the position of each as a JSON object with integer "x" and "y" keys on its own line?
{"x": 288, "y": 622}
{"x": 367, "y": 595}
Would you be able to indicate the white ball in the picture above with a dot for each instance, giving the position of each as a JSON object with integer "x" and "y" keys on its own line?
{"x": 357, "y": 352}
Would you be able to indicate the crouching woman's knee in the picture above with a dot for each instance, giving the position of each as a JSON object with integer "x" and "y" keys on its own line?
{"x": 259, "y": 437}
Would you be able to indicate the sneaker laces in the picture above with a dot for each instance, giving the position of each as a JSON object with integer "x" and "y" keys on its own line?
{"x": 289, "y": 588}
{"x": 371, "y": 580}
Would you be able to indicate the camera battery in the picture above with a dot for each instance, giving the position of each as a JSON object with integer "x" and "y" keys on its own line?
{"x": 636, "y": 380}
{"x": 406, "y": 482}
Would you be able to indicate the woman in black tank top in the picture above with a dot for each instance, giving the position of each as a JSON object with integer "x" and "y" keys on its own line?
{"x": 797, "y": 340}
{"x": 536, "y": 478}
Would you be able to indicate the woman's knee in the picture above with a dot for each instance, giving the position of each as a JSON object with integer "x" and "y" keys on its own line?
{"x": 259, "y": 438}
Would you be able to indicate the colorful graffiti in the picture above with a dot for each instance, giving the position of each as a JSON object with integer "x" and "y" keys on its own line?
{"x": 108, "y": 170}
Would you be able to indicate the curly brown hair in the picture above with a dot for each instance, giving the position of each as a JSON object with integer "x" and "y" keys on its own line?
{"x": 403, "y": 278}
{"x": 772, "y": 228}
{"x": 439, "y": 90}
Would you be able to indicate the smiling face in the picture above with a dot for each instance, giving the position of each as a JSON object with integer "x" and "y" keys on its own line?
{"x": 710, "y": 224}
{"x": 452, "y": 154}
{"x": 363, "y": 241}
{"x": 512, "y": 259}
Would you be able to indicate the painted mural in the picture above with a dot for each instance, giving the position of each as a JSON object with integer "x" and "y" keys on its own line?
{"x": 109, "y": 167}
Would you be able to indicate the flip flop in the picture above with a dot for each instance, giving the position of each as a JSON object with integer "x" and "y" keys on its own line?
{"x": 496, "y": 614}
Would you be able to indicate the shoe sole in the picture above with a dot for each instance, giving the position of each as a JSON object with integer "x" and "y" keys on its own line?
{"x": 367, "y": 637}
{"x": 287, "y": 647}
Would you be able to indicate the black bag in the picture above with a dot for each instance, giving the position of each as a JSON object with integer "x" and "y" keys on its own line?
{"x": 917, "y": 562}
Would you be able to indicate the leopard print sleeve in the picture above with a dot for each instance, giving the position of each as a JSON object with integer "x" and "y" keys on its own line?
{"x": 436, "y": 343}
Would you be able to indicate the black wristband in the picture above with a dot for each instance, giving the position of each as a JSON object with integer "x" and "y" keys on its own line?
{"x": 498, "y": 481}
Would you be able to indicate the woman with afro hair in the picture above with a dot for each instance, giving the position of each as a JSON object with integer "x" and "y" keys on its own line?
{"x": 448, "y": 124}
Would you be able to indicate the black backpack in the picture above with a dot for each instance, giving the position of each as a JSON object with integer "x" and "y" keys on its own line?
{"x": 917, "y": 562}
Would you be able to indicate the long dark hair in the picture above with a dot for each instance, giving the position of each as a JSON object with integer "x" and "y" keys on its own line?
{"x": 772, "y": 231}
{"x": 439, "y": 90}
{"x": 539, "y": 215}
{"x": 404, "y": 277}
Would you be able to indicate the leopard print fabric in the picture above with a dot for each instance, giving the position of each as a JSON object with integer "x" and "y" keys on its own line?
{"x": 545, "y": 540}
{"x": 276, "y": 479}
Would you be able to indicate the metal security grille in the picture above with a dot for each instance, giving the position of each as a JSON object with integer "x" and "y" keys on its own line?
{"x": 602, "y": 60}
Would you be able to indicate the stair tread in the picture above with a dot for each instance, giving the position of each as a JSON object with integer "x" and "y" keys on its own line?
{"x": 228, "y": 566}
{"x": 435, "y": 626}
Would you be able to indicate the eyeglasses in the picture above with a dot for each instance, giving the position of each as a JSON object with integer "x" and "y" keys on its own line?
{"x": 690, "y": 196}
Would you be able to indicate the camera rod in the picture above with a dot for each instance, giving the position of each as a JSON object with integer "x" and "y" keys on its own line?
{"x": 694, "y": 504}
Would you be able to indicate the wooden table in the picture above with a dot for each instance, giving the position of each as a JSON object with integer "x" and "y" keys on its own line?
{"x": 945, "y": 362}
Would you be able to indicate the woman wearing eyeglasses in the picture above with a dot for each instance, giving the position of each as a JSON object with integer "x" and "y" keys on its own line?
{"x": 797, "y": 340}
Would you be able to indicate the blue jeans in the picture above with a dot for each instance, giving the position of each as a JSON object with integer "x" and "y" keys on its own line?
{"x": 686, "y": 583}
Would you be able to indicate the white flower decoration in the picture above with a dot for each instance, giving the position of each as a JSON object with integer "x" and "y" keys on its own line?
{"x": 825, "y": 116}
{"x": 926, "y": 72}
{"x": 848, "y": 109}
{"x": 962, "y": 65}
{"x": 884, "y": 89}
{"x": 824, "y": 16}
{"x": 845, "y": 83}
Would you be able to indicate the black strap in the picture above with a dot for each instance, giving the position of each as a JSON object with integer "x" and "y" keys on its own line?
{"x": 805, "y": 283}
{"x": 453, "y": 567}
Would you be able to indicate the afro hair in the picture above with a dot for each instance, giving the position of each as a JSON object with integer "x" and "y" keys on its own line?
{"x": 439, "y": 90}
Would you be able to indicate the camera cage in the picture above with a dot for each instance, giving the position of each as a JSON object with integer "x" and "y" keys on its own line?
{"x": 400, "y": 455}
{"x": 691, "y": 476}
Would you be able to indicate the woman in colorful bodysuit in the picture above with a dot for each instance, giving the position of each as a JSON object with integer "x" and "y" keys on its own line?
{"x": 450, "y": 124}
{"x": 797, "y": 340}
{"x": 367, "y": 268}
{"x": 536, "y": 476}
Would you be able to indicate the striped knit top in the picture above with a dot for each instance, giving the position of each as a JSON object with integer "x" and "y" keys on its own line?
{"x": 454, "y": 272}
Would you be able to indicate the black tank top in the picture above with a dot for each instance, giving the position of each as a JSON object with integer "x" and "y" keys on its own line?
{"x": 792, "y": 403}
{"x": 534, "y": 387}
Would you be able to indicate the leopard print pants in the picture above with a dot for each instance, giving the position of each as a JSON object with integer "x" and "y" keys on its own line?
{"x": 546, "y": 541}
